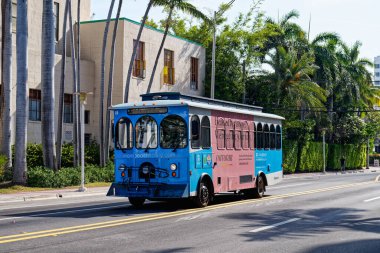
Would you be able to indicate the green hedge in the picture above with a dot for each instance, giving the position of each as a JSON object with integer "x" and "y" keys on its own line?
{"x": 311, "y": 156}
{"x": 3, "y": 171}
{"x": 290, "y": 152}
{"x": 43, "y": 177}
{"x": 34, "y": 155}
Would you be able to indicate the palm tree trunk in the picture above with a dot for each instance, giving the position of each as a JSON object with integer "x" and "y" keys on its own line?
{"x": 47, "y": 84}
{"x": 168, "y": 20}
{"x": 110, "y": 83}
{"x": 7, "y": 79}
{"x": 131, "y": 63}
{"x": 75, "y": 91}
{"x": 78, "y": 83}
{"x": 62, "y": 87}
{"x": 19, "y": 172}
{"x": 101, "y": 95}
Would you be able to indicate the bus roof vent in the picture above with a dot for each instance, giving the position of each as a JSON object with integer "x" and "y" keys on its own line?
{"x": 161, "y": 96}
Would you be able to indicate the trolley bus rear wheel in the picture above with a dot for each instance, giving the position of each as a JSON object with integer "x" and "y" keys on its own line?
{"x": 136, "y": 202}
{"x": 260, "y": 187}
{"x": 203, "y": 197}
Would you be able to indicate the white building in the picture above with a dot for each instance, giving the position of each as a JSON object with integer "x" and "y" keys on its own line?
{"x": 181, "y": 66}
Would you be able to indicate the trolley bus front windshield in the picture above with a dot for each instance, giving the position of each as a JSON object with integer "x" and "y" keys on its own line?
{"x": 172, "y": 133}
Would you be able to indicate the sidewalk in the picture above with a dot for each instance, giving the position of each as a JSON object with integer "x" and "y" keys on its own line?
{"x": 52, "y": 194}
{"x": 330, "y": 173}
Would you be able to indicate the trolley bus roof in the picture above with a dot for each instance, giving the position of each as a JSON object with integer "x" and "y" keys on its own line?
{"x": 166, "y": 99}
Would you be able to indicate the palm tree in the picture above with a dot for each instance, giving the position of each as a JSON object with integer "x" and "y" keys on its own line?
{"x": 172, "y": 5}
{"x": 47, "y": 83}
{"x": 134, "y": 52}
{"x": 19, "y": 172}
{"x": 62, "y": 86}
{"x": 101, "y": 95}
{"x": 7, "y": 79}
{"x": 110, "y": 83}
{"x": 291, "y": 79}
{"x": 78, "y": 81}
{"x": 75, "y": 92}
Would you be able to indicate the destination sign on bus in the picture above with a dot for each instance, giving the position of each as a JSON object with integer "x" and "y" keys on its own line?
{"x": 154, "y": 110}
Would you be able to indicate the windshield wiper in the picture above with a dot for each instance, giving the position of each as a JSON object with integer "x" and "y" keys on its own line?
{"x": 148, "y": 145}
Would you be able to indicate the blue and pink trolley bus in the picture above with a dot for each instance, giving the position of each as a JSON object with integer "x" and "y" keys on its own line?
{"x": 177, "y": 146}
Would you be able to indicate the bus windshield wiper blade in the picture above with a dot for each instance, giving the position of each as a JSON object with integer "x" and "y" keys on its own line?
{"x": 150, "y": 141}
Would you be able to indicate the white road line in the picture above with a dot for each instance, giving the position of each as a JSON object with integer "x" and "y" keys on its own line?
{"x": 369, "y": 200}
{"x": 286, "y": 186}
{"x": 274, "y": 225}
{"x": 71, "y": 211}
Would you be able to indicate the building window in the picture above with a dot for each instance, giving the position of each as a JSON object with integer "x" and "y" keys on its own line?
{"x": 34, "y": 105}
{"x": 377, "y": 66}
{"x": 139, "y": 64}
{"x": 194, "y": 74}
{"x": 68, "y": 108}
{"x": 168, "y": 67}
{"x": 56, "y": 24}
{"x": 87, "y": 139}
{"x": 377, "y": 82}
{"x": 377, "y": 74}
{"x": 205, "y": 133}
{"x": 87, "y": 117}
{"x": 14, "y": 15}
{"x": 195, "y": 132}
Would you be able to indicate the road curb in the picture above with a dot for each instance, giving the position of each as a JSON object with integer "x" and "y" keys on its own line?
{"x": 57, "y": 196}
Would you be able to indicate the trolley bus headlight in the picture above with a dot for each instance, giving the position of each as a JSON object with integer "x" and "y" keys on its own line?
{"x": 122, "y": 167}
{"x": 173, "y": 166}
{"x": 145, "y": 170}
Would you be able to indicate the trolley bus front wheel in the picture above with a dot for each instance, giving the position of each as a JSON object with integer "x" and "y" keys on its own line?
{"x": 204, "y": 195}
{"x": 136, "y": 202}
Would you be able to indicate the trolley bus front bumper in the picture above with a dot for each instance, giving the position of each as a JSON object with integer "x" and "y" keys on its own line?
{"x": 149, "y": 191}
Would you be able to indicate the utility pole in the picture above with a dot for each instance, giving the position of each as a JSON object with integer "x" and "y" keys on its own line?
{"x": 213, "y": 59}
{"x": 244, "y": 90}
{"x": 324, "y": 151}
{"x": 367, "y": 160}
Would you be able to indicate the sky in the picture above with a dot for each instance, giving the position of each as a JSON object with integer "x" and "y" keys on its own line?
{"x": 353, "y": 20}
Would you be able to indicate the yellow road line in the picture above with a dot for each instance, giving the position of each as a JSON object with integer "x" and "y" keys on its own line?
{"x": 107, "y": 224}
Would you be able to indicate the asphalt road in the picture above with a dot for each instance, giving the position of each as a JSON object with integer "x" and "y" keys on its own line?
{"x": 335, "y": 213}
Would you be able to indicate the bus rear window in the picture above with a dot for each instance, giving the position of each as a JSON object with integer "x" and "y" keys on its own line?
{"x": 124, "y": 134}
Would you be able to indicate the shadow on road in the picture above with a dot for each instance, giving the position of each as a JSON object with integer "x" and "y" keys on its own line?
{"x": 316, "y": 221}
{"x": 362, "y": 246}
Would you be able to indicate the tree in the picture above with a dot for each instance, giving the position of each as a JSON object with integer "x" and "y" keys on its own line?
{"x": 134, "y": 52}
{"x": 62, "y": 86}
{"x": 101, "y": 94}
{"x": 110, "y": 82}
{"x": 183, "y": 6}
{"x": 47, "y": 83}
{"x": 19, "y": 170}
{"x": 7, "y": 79}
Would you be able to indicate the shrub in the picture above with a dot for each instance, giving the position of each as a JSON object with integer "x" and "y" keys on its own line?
{"x": 3, "y": 170}
{"x": 290, "y": 151}
{"x": 43, "y": 177}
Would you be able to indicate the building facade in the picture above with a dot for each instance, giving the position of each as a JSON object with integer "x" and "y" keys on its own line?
{"x": 181, "y": 66}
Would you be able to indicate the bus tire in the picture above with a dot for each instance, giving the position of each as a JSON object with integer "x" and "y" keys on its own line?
{"x": 260, "y": 187}
{"x": 136, "y": 201}
{"x": 204, "y": 195}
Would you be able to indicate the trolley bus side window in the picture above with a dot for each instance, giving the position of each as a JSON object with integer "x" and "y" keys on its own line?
{"x": 266, "y": 137}
{"x": 195, "y": 132}
{"x": 272, "y": 137}
{"x": 278, "y": 137}
{"x": 205, "y": 133}
{"x": 124, "y": 134}
{"x": 260, "y": 136}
